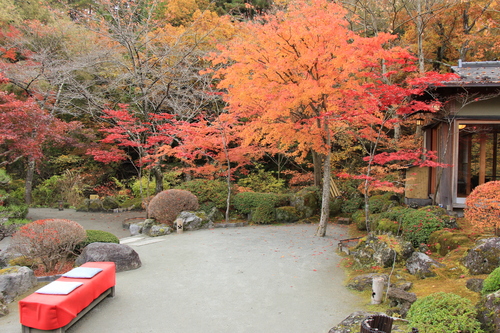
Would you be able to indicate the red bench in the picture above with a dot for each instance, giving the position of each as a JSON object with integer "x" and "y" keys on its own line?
{"x": 56, "y": 313}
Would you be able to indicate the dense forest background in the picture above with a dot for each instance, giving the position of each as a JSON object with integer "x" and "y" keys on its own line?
{"x": 126, "y": 98}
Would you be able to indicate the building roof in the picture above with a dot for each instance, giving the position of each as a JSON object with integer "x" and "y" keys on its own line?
{"x": 476, "y": 74}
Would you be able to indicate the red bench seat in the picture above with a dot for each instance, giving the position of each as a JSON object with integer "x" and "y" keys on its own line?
{"x": 42, "y": 312}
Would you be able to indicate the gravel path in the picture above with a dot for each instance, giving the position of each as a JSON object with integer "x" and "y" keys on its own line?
{"x": 266, "y": 279}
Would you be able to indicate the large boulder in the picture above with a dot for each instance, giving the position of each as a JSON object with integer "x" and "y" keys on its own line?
{"x": 420, "y": 265}
{"x": 483, "y": 258}
{"x": 306, "y": 203}
{"x": 15, "y": 281}
{"x": 122, "y": 255}
{"x": 489, "y": 312}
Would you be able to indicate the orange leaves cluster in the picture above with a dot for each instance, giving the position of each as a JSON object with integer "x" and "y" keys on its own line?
{"x": 300, "y": 75}
{"x": 483, "y": 206}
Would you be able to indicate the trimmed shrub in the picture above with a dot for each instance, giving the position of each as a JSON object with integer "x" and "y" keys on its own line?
{"x": 359, "y": 219}
{"x": 98, "y": 236}
{"x": 387, "y": 225}
{"x": 443, "y": 312}
{"x": 48, "y": 241}
{"x": 246, "y": 202}
{"x": 166, "y": 205}
{"x": 210, "y": 193}
{"x": 436, "y": 210}
{"x": 418, "y": 226}
{"x": 379, "y": 203}
{"x": 287, "y": 214}
{"x": 492, "y": 282}
{"x": 483, "y": 206}
{"x": 264, "y": 213}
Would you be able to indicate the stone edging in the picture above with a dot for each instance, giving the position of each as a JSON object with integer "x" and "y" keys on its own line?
{"x": 230, "y": 225}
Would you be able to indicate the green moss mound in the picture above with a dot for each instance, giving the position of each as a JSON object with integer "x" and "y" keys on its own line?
{"x": 492, "y": 283}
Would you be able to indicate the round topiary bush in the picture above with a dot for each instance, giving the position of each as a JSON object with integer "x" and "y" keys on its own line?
{"x": 48, "y": 241}
{"x": 483, "y": 206}
{"x": 443, "y": 312}
{"x": 418, "y": 225}
{"x": 492, "y": 282}
{"x": 166, "y": 205}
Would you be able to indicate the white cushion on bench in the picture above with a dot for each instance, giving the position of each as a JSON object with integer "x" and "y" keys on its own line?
{"x": 82, "y": 272}
{"x": 59, "y": 288}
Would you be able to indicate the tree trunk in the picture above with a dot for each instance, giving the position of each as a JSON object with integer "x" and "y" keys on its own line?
{"x": 317, "y": 168}
{"x": 30, "y": 173}
{"x": 158, "y": 178}
{"x": 325, "y": 198}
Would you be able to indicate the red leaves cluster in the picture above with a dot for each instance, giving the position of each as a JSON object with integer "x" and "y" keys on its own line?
{"x": 25, "y": 128}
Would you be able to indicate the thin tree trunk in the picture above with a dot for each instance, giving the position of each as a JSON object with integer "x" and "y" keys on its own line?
{"x": 30, "y": 173}
{"x": 325, "y": 198}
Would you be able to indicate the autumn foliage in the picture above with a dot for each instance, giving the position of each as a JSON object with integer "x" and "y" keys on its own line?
{"x": 49, "y": 241}
{"x": 483, "y": 206}
{"x": 166, "y": 205}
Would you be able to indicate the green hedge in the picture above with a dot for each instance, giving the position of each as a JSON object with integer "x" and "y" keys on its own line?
{"x": 246, "y": 202}
{"x": 210, "y": 193}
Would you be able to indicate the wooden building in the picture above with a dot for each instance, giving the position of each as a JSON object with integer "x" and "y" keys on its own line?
{"x": 465, "y": 135}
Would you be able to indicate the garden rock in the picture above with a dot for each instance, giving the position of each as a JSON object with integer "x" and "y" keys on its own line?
{"x": 475, "y": 285}
{"x": 353, "y": 322}
{"x": 4, "y": 310}
{"x": 110, "y": 203}
{"x": 15, "y": 281}
{"x": 194, "y": 220}
{"x": 420, "y": 265}
{"x": 365, "y": 281}
{"x": 122, "y": 255}
{"x": 483, "y": 258}
{"x": 306, "y": 202}
{"x": 287, "y": 214}
{"x": 135, "y": 229}
{"x": 159, "y": 230}
{"x": 91, "y": 205}
{"x": 489, "y": 312}
{"x": 400, "y": 301}
{"x": 375, "y": 252}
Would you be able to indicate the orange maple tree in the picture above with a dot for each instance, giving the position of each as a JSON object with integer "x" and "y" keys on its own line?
{"x": 299, "y": 77}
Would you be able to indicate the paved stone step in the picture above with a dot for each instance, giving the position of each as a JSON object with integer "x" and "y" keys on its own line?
{"x": 131, "y": 239}
{"x": 140, "y": 240}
